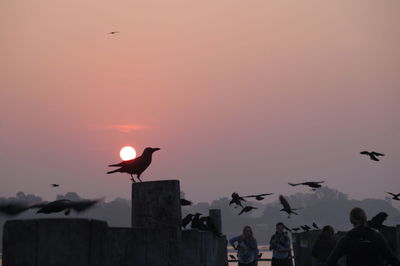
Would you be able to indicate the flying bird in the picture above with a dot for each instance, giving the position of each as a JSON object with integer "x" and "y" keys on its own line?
{"x": 186, "y": 220}
{"x": 135, "y": 166}
{"x": 306, "y": 228}
{"x": 286, "y": 207}
{"x": 259, "y": 196}
{"x": 113, "y": 32}
{"x": 372, "y": 155}
{"x": 315, "y": 225}
{"x": 55, "y": 185}
{"x": 247, "y": 209}
{"x": 236, "y": 199}
{"x": 185, "y": 202}
{"x": 377, "y": 221}
{"x": 394, "y": 196}
{"x": 295, "y": 229}
{"x": 312, "y": 184}
{"x": 66, "y": 206}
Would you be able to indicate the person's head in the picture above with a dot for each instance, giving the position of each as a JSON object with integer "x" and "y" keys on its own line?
{"x": 280, "y": 227}
{"x": 327, "y": 231}
{"x": 358, "y": 217}
{"x": 247, "y": 232}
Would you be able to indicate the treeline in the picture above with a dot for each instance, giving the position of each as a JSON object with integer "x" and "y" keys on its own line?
{"x": 325, "y": 206}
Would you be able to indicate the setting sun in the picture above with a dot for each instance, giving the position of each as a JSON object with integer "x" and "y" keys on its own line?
{"x": 127, "y": 153}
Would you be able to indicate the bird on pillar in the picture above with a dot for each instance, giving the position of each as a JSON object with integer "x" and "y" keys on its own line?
{"x": 135, "y": 166}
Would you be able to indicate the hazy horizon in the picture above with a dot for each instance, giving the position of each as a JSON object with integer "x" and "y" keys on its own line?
{"x": 239, "y": 96}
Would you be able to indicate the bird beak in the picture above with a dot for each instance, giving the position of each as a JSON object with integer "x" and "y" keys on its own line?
{"x": 156, "y": 149}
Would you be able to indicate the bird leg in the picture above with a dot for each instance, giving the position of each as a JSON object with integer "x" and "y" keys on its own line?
{"x": 133, "y": 180}
{"x": 139, "y": 178}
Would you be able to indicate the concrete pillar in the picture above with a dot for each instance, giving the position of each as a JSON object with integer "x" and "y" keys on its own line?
{"x": 156, "y": 204}
{"x": 215, "y": 215}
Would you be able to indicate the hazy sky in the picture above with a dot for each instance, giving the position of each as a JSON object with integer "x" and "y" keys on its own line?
{"x": 239, "y": 95}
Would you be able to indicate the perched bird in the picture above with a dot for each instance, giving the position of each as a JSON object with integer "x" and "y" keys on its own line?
{"x": 394, "y": 196}
{"x": 13, "y": 208}
{"x": 197, "y": 223}
{"x": 313, "y": 185}
{"x": 232, "y": 257}
{"x": 295, "y": 229}
{"x": 286, "y": 207}
{"x": 55, "y": 185}
{"x": 259, "y": 197}
{"x": 135, "y": 166}
{"x": 236, "y": 199}
{"x": 259, "y": 255}
{"x": 186, "y": 220}
{"x": 67, "y": 205}
{"x": 315, "y": 225}
{"x": 113, "y": 32}
{"x": 247, "y": 209}
{"x": 185, "y": 202}
{"x": 377, "y": 221}
{"x": 372, "y": 155}
{"x": 306, "y": 228}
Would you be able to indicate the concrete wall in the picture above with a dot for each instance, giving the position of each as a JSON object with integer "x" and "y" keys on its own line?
{"x": 54, "y": 242}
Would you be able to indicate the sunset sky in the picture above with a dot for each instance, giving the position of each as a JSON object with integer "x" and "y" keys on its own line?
{"x": 239, "y": 95}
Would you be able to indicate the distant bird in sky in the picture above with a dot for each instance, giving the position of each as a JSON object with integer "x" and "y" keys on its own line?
{"x": 113, "y": 32}
{"x": 186, "y": 220}
{"x": 377, "y": 221}
{"x": 236, "y": 199}
{"x": 394, "y": 196}
{"x": 13, "y": 208}
{"x": 312, "y": 184}
{"x": 259, "y": 196}
{"x": 185, "y": 202}
{"x": 247, "y": 209}
{"x": 232, "y": 257}
{"x": 67, "y": 205}
{"x": 55, "y": 185}
{"x": 315, "y": 225}
{"x": 286, "y": 207}
{"x": 135, "y": 166}
{"x": 372, "y": 155}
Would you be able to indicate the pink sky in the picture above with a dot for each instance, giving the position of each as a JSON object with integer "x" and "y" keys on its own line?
{"x": 239, "y": 95}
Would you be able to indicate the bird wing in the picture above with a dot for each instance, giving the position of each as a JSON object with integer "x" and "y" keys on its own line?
{"x": 373, "y": 157}
{"x": 185, "y": 202}
{"x": 126, "y": 163}
{"x": 284, "y": 202}
{"x": 250, "y": 196}
{"x": 394, "y": 195}
{"x": 377, "y": 153}
{"x": 364, "y": 152}
{"x": 293, "y": 184}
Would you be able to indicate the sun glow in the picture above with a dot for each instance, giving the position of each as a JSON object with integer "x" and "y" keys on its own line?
{"x": 127, "y": 153}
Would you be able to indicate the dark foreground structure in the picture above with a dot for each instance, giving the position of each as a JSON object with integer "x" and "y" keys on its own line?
{"x": 155, "y": 238}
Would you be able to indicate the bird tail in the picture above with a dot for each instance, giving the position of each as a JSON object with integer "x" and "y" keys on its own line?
{"x": 117, "y": 164}
{"x": 113, "y": 171}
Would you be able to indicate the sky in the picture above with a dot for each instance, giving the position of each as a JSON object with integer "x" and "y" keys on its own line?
{"x": 239, "y": 95}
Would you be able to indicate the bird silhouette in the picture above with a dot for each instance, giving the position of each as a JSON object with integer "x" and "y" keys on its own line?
{"x": 372, "y": 155}
{"x": 236, "y": 199}
{"x": 377, "y": 221}
{"x": 394, "y": 196}
{"x": 135, "y": 166}
{"x": 306, "y": 228}
{"x": 66, "y": 206}
{"x": 259, "y": 196}
{"x": 185, "y": 202}
{"x": 315, "y": 225}
{"x": 113, "y": 32}
{"x": 197, "y": 223}
{"x": 55, "y": 185}
{"x": 247, "y": 209}
{"x": 232, "y": 257}
{"x": 311, "y": 184}
{"x": 186, "y": 220}
{"x": 286, "y": 207}
{"x": 295, "y": 229}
